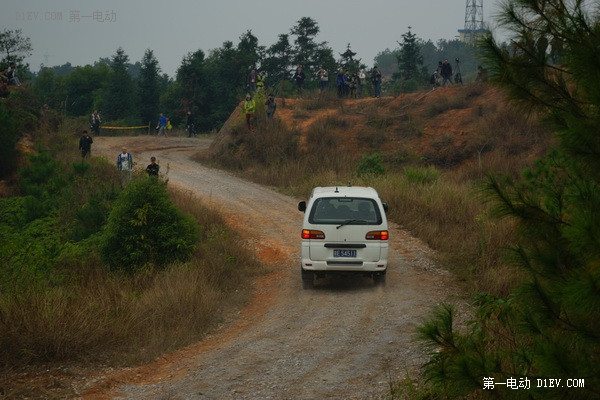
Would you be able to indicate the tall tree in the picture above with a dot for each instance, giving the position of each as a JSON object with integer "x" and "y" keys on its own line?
{"x": 410, "y": 60}
{"x": 278, "y": 60}
{"x": 191, "y": 77}
{"x": 119, "y": 94}
{"x": 79, "y": 91}
{"x": 148, "y": 87}
{"x": 14, "y": 46}
{"x": 305, "y": 31}
{"x": 349, "y": 62}
{"x": 547, "y": 328}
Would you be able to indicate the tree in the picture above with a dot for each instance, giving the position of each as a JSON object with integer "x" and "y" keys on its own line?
{"x": 119, "y": 94}
{"x": 80, "y": 89}
{"x": 145, "y": 228}
{"x": 148, "y": 87}
{"x": 305, "y": 30}
{"x": 410, "y": 60}
{"x": 348, "y": 62}
{"x": 192, "y": 84}
{"x": 15, "y": 46}
{"x": 548, "y": 326}
{"x": 278, "y": 60}
{"x": 45, "y": 86}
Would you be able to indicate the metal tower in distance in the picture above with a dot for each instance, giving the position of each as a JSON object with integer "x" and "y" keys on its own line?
{"x": 474, "y": 27}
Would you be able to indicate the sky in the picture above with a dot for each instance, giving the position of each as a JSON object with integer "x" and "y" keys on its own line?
{"x": 82, "y": 31}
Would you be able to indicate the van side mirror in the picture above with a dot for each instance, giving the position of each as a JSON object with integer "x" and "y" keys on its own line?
{"x": 385, "y": 207}
{"x": 302, "y": 206}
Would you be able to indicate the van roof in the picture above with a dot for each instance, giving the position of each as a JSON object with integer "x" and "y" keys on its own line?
{"x": 358, "y": 191}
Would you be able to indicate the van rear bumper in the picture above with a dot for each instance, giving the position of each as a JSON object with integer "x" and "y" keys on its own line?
{"x": 344, "y": 266}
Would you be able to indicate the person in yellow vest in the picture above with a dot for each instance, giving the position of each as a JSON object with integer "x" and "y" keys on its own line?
{"x": 260, "y": 81}
{"x": 249, "y": 110}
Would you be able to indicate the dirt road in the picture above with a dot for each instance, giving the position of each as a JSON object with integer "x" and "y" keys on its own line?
{"x": 340, "y": 340}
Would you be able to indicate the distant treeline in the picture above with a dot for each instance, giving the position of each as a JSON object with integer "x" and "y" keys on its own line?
{"x": 211, "y": 85}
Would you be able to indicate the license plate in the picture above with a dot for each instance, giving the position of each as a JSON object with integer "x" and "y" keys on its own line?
{"x": 344, "y": 253}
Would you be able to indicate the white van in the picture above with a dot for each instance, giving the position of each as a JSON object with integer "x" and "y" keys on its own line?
{"x": 344, "y": 231}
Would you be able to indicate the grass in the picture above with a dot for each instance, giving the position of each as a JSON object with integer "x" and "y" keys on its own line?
{"x": 129, "y": 319}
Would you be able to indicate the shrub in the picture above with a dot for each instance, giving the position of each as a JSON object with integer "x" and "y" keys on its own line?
{"x": 421, "y": 175}
{"x": 145, "y": 228}
{"x": 371, "y": 164}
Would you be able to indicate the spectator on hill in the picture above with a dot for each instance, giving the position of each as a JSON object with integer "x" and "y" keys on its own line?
{"x": 271, "y": 106}
{"x": 376, "y": 80}
{"x": 95, "y": 123}
{"x": 446, "y": 72}
{"x": 299, "y": 79}
{"x": 85, "y": 144}
{"x": 125, "y": 165}
{"x": 347, "y": 85}
{"x": 260, "y": 81}
{"x": 252, "y": 81}
{"x": 323, "y": 79}
{"x": 360, "y": 82}
{"x": 153, "y": 167}
{"x": 353, "y": 85}
{"x": 12, "y": 76}
{"x": 340, "y": 82}
{"x": 249, "y": 108}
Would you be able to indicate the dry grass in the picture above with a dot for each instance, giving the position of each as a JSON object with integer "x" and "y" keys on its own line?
{"x": 124, "y": 319}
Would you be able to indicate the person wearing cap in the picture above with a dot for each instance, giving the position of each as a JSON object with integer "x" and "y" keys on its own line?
{"x": 249, "y": 110}
{"x": 153, "y": 167}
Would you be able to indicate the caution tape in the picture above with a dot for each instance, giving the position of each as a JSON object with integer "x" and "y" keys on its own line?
{"x": 125, "y": 127}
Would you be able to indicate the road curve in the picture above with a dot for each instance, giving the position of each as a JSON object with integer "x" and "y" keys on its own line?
{"x": 343, "y": 339}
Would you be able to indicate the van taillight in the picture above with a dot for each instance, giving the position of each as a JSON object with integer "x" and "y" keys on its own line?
{"x": 377, "y": 235}
{"x": 310, "y": 234}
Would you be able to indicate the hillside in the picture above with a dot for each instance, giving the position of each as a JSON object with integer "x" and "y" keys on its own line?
{"x": 446, "y": 127}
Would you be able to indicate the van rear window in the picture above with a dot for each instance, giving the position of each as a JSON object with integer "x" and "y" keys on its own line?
{"x": 349, "y": 210}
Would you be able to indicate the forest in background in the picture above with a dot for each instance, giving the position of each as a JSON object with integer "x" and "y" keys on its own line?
{"x": 210, "y": 84}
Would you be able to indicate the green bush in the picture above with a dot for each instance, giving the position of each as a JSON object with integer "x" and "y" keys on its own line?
{"x": 145, "y": 228}
{"x": 371, "y": 165}
{"x": 421, "y": 175}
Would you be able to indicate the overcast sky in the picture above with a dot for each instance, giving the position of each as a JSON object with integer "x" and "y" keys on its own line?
{"x": 80, "y": 32}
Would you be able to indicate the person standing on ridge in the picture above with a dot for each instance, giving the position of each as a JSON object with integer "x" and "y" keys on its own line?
{"x": 249, "y": 109}
{"x": 323, "y": 79}
{"x": 299, "y": 78}
{"x": 271, "y": 106}
{"x": 446, "y": 72}
{"x": 376, "y": 80}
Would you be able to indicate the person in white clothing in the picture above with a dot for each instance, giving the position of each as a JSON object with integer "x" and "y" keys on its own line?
{"x": 125, "y": 165}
